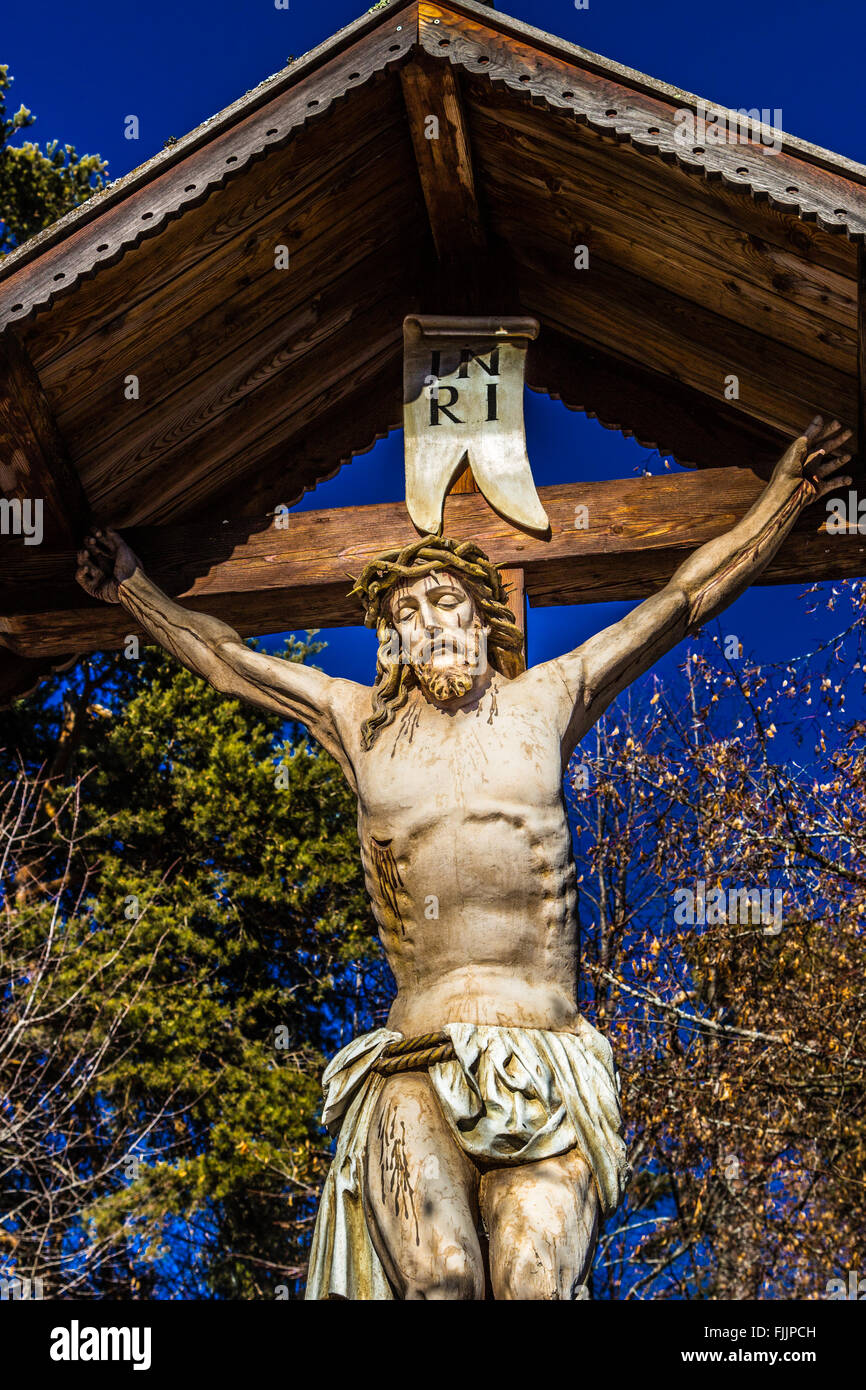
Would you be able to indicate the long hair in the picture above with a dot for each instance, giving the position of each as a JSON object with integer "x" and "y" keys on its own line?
{"x": 430, "y": 555}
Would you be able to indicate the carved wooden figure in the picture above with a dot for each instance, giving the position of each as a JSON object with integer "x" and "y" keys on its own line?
{"x": 487, "y": 1112}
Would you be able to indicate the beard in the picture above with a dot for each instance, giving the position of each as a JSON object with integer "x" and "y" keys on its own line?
{"x": 446, "y": 669}
{"x": 446, "y": 683}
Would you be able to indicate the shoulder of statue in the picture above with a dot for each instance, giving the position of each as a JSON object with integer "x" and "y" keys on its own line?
{"x": 350, "y": 696}
{"x": 544, "y": 682}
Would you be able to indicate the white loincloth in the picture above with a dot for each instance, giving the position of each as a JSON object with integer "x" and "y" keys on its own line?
{"x": 512, "y": 1095}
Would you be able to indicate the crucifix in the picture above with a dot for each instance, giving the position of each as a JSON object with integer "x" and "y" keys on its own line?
{"x": 479, "y": 1133}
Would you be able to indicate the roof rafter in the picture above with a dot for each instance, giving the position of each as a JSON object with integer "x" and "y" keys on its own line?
{"x": 623, "y": 397}
{"x": 444, "y": 159}
{"x": 631, "y": 107}
{"x": 709, "y": 263}
{"x": 112, "y": 223}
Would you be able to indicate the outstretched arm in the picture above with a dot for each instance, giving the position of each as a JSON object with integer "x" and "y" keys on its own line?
{"x": 108, "y": 569}
{"x": 704, "y": 585}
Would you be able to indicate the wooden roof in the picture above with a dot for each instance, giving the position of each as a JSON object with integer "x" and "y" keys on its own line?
{"x": 256, "y": 383}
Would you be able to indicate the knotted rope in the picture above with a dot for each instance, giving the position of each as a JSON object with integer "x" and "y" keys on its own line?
{"x": 415, "y": 1054}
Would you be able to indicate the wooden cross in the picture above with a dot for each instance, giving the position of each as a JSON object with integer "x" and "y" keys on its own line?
{"x": 262, "y": 578}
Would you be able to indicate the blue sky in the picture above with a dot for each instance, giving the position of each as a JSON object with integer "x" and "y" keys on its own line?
{"x": 84, "y": 68}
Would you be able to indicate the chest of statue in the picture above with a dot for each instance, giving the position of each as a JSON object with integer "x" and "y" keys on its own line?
{"x": 501, "y": 758}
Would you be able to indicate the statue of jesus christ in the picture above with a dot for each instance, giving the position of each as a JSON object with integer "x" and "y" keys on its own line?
{"x": 479, "y": 1133}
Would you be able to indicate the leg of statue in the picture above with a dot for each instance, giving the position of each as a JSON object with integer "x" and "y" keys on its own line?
{"x": 421, "y": 1196}
{"x": 543, "y": 1220}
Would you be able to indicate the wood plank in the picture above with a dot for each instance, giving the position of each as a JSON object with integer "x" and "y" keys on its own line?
{"x": 781, "y": 325}
{"x": 269, "y": 580}
{"x": 648, "y": 179}
{"x": 140, "y": 436}
{"x": 347, "y": 427}
{"x": 257, "y": 417}
{"x": 839, "y": 166}
{"x": 221, "y": 460}
{"x": 34, "y": 463}
{"x": 758, "y": 241}
{"x": 443, "y": 158}
{"x": 647, "y": 325}
{"x": 114, "y": 301}
{"x": 289, "y": 76}
{"x": 737, "y": 276}
{"x": 224, "y": 273}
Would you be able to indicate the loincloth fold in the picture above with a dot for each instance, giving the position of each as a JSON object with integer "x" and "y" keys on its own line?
{"x": 509, "y": 1095}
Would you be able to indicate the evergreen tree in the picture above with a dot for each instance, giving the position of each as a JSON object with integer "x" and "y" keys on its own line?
{"x": 37, "y": 186}
{"x": 210, "y": 926}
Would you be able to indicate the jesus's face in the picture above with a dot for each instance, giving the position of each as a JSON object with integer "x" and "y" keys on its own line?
{"x": 441, "y": 635}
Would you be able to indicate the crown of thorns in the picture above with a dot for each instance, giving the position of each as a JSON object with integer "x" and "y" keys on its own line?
{"x": 429, "y": 555}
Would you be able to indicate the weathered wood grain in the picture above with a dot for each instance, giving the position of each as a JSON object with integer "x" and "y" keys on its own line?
{"x": 34, "y": 462}
{"x": 266, "y": 580}
{"x": 218, "y": 285}
{"x": 649, "y": 325}
{"x": 267, "y": 372}
{"x": 444, "y": 160}
{"x": 224, "y": 453}
{"x": 575, "y": 155}
{"x": 336, "y": 183}
{"x": 345, "y": 427}
{"x": 754, "y": 283}
{"x": 662, "y": 413}
{"x": 148, "y": 208}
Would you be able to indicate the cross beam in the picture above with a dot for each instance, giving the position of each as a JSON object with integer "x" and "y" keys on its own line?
{"x": 637, "y": 532}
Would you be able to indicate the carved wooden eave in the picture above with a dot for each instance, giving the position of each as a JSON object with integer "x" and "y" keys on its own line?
{"x": 705, "y": 262}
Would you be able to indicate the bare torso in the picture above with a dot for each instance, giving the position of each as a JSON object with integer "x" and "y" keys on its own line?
{"x": 467, "y": 856}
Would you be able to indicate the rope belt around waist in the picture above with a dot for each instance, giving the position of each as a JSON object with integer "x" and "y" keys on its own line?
{"x": 415, "y": 1054}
